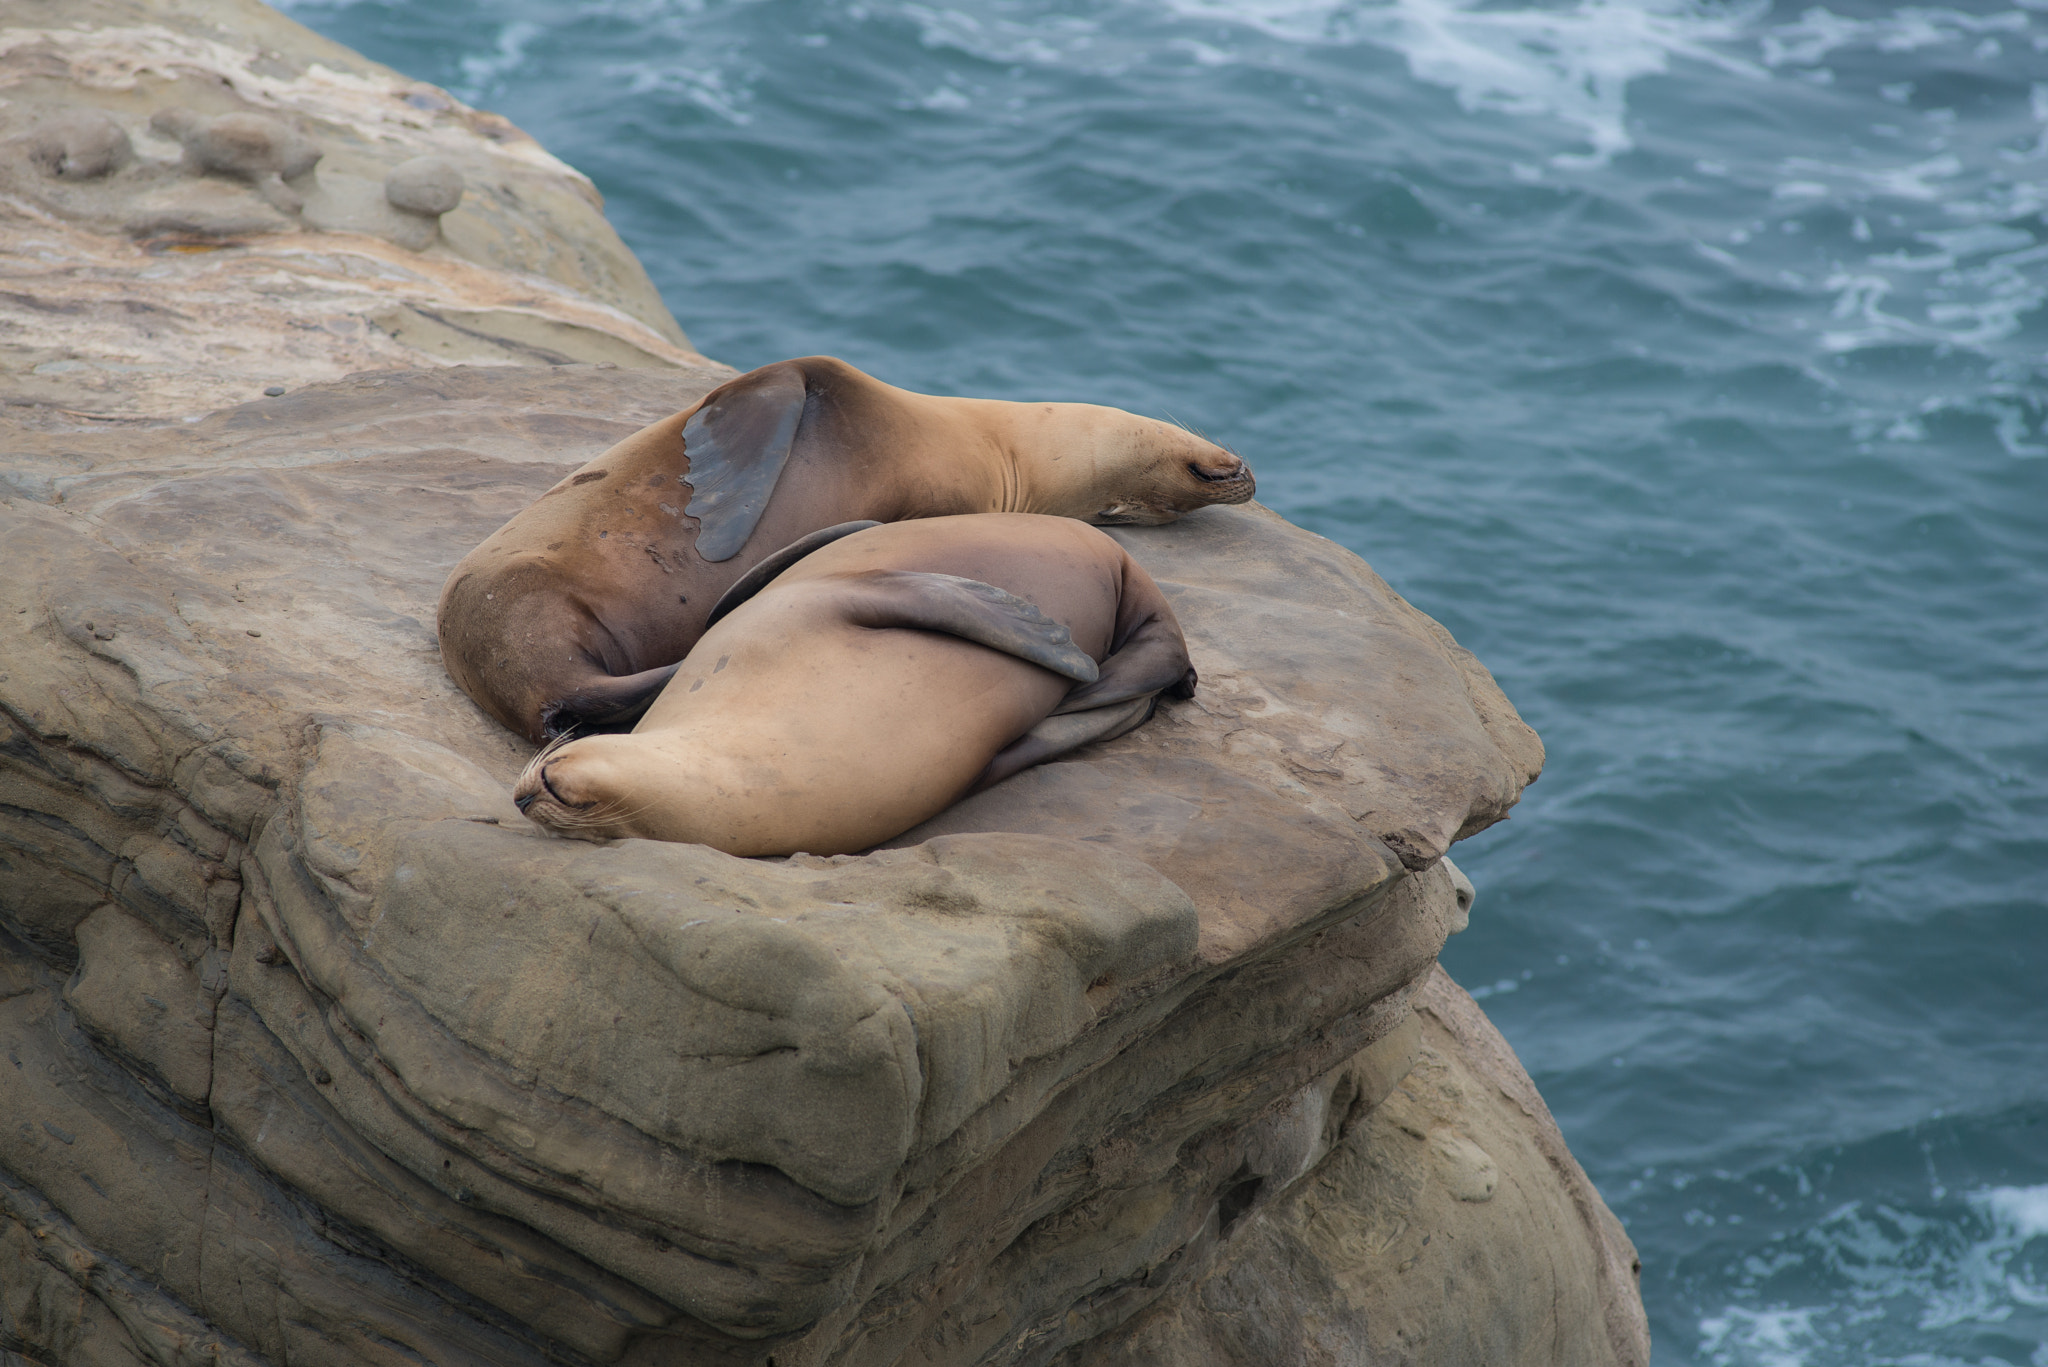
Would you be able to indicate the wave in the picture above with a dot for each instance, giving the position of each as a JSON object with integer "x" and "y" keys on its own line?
{"x": 1879, "y": 1264}
{"x": 1571, "y": 65}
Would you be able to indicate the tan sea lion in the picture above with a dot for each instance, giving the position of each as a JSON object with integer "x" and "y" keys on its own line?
{"x": 874, "y": 683}
{"x": 575, "y": 611}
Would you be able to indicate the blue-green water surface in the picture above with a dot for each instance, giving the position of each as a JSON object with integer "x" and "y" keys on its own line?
{"x": 1685, "y": 359}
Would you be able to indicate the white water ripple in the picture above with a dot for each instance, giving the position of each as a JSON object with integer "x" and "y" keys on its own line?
{"x": 1572, "y": 65}
{"x": 1885, "y": 1263}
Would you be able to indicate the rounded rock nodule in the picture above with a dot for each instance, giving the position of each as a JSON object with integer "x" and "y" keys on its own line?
{"x": 266, "y": 152}
{"x": 80, "y": 144}
{"x": 424, "y": 185}
{"x": 252, "y": 146}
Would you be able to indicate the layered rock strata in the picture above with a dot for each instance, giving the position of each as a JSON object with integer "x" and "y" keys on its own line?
{"x": 314, "y": 1052}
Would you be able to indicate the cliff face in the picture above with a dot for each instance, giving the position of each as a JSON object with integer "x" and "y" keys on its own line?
{"x": 318, "y": 1053}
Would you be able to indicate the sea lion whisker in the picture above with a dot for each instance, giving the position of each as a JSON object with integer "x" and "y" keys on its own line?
{"x": 1194, "y": 431}
{"x": 616, "y": 813}
{"x": 541, "y": 756}
{"x": 565, "y": 819}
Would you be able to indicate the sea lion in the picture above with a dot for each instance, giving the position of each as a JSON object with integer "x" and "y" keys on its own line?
{"x": 874, "y": 683}
{"x": 575, "y": 612}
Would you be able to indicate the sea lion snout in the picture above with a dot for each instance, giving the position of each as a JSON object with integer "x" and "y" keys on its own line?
{"x": 569, "y": 791}
{"x": 533, "y": 786}
{"x": 1229, "y": 476}
{"x": 1194, "y": 471}
{"x": 532, "y": 789}
{"x": 1211, "y": 476}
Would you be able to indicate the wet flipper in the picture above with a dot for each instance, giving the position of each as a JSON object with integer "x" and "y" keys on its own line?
{"x": 608, "y": 704}
{"x": 971, "y": 610}
{"x": 1062, "y": 732}
{"x": 738, "y": 443}
{"x": 759, "y": 577}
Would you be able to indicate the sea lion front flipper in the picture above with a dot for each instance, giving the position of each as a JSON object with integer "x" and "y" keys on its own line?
{"x": 1061, "y": 732}
{"x": 759, "y": 577}
{"x": 738, "y": 442}
{"x": 607, "y": 704}
{"x": 971, "y": 610}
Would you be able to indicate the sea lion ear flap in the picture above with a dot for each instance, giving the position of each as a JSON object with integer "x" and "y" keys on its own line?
{"x": 738, "y": 443}
{"x": 971, "y": 610}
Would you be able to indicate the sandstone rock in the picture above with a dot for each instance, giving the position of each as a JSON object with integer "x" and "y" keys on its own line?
{"x": 422, "y": 190}
{"x": 196, "y": 209}
{"x": 424, "y": 185}
{"x": 136, "y": 995}
{"x": 1405, "y": 1245}
{"x": 80, "y": 144}
{"x": 264, "y": 151}
{"x": 980, "y": 1097}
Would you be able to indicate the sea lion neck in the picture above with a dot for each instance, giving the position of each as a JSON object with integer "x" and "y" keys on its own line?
{"x": 1014, "y": 493}
{"x": 1035, "y": 464}
{"x": 970, "y": 455}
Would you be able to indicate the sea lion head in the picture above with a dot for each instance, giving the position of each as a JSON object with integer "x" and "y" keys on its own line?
{"x": 508, "y": 634}
{"x": 1148, "y": 472}
{"x": 580, "y": 788}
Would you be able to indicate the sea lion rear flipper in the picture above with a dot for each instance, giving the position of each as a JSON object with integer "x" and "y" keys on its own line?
{"x": 1152, "y": 658}
{"x": 738, "y": 442}
{"x": 1062, "y": 732}
{"x": 759, "y": 577}
{"x": 971, "y": 610}
{"x": 607, "y": 704}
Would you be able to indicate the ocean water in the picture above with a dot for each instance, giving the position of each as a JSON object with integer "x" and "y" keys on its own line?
{"x": 1686, "y": 359}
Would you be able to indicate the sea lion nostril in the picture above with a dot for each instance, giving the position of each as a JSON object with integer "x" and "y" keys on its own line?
{"x": 522, "y": 803}
{"x": 1221, "y": 477}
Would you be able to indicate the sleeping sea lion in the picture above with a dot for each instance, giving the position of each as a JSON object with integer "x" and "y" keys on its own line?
{"x": 874, "y": 683}
{"x": 575, "y": 611}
